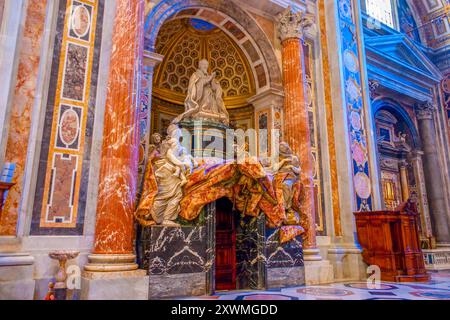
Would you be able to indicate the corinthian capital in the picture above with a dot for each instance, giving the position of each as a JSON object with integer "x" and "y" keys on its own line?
{"x": 293, "y": 25}
{"x": 424, "y": 110}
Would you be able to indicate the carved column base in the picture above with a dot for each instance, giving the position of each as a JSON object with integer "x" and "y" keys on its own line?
{"x": 16, "y": 276}
{"x": 318, "y": 272}
{"x": 127, "y": 285}
{"x": 312, "y": 254}
{"x": 111, "y": 263}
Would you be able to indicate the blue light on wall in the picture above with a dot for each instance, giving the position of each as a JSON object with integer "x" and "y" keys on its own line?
{"x": 202, "y": 25}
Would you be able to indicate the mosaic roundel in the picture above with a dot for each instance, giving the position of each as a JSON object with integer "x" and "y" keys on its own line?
{"x": 325, "y": 292}
{"x": 81, "y": 21}
{"x": 362, "y": 185}
{"x": 363, "y": 285}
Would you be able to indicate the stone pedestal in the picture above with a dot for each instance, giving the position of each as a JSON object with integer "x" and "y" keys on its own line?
{"x": 285, "y": 277}
{"x": 318, "y": 272}
{"x": 347, "y": 263}
{"x": 128, "y": 285}
{"x": 16, "y": 276}
{"x": 207, "y": 139}
{"x": 177, "y": 261}
{"x": 284, "y": 262}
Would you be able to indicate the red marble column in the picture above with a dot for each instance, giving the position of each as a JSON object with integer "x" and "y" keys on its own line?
{"x": 296, "y": 120}
{"x": 114, "y": 231}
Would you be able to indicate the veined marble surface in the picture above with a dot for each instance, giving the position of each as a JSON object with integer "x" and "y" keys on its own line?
{"x": 436, "y": 289}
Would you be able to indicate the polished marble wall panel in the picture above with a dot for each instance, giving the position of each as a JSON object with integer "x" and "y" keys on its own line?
{"x": 60, "y": 200}
{"x": 250, "y": 253}
{"x": 172, "y": 250}
{"x": 20, "y": 122}
{"x": 287, "y": 255}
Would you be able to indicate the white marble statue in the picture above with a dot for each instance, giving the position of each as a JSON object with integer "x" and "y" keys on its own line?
{"x": 204, "y": 99}
{"x": 171, "y": 175}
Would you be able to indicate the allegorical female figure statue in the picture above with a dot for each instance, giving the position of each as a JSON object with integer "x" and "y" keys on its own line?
{"x": 166, "y": 174}
{"x": 204, "y": 99}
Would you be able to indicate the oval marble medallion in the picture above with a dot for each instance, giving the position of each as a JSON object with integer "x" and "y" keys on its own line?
{"x": 362, "y": 185}
{"x": 353, "y": 90}
{"x": 359, "y": 154}
{"x": 355, "y": 119}
{"x": 351, "y": 61}
{"x": 69, "y": 127}
{"x": 81, "y": 21}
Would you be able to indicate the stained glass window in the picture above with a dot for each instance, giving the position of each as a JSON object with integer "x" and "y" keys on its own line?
{"x": 381, "y": 10}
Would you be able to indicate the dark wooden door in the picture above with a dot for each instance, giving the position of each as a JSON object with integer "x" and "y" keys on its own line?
{"x": 225, "y": 246}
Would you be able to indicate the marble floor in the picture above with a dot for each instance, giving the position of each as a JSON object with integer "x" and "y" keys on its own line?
{"x": 438, "y": 288}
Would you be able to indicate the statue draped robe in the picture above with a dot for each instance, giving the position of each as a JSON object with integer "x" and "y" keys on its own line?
{"x": 204, "y": 98}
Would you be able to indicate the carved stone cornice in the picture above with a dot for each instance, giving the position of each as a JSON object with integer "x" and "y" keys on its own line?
{"x": 152, "y": 59}
{"x": 424, "y": 111}
{"x": 293, "y": 25}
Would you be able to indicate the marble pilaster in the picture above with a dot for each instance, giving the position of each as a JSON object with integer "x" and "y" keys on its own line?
{"x": 432, "y": 172}
{"x": 11, "y": 14}
{"x": 296, "y": 120}
{"x": 21, "y": 109}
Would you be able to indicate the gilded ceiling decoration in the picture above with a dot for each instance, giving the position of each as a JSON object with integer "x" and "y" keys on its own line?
{"x": 183, "y": 43}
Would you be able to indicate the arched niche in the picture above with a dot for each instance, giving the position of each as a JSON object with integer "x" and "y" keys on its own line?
{"x": 397, "y": 145}
{"x": 230, "y": 18}
{"x": 400, "y": 114}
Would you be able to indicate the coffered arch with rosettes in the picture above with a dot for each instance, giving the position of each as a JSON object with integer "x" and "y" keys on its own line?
{"x": 184, "y": 42}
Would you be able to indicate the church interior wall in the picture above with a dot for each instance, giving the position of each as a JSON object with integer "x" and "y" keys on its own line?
{"x": 63, "y": 68}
